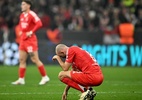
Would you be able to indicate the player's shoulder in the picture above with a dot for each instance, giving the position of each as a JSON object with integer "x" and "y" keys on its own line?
{"x": 74, "y": 48}
{"x": 32, "y": 13}
{"x": 71, "y": 47}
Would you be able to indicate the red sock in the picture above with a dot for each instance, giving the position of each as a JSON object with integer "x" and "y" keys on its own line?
{"x": 72, "y": 84}
{"x": 22, "y": 72}
{"x": 42, "y": 70}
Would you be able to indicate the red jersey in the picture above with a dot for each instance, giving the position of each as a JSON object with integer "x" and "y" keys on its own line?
{"x": 82, "y": 60}
{"x": 29, "y": 22}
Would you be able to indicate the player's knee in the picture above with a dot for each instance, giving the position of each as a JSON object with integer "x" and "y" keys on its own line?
{"x": 33, "y": 57}
{"x": 61, "y": 75}
{"x": 33, "y": 60}
{"x": 37, "y": 62}
{"x": 22, "y": 60}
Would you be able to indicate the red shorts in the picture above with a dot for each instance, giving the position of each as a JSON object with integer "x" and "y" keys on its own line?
{"x": 28, "y": 46}
{"x": 87, "y": 79}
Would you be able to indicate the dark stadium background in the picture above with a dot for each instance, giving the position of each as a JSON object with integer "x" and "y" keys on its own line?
{"x": 90, "y": 24}
{"x": 86, "y": 23}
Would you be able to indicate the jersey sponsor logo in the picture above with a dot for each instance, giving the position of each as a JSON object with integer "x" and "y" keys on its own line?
{"x": 24, "y": 24}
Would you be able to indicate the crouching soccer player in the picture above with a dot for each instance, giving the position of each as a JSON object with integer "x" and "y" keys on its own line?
{"x": 85, "y": 71}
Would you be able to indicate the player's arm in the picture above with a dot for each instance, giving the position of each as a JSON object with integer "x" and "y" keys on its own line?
{"x": 37, "y": 25}
{"x": 64, "y": 65}
{"x": 65, "y": 93}
{"x": 36, "y": 21}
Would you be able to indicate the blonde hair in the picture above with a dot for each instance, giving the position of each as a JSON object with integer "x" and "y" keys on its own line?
{"x": 60, "y": 47}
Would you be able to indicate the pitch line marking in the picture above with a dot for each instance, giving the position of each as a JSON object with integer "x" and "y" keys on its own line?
{"x": 40, "y": 93}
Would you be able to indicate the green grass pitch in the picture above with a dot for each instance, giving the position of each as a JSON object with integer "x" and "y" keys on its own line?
{"x": 119, "y": 84}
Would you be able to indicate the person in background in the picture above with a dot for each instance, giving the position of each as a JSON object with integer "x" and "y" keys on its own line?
{"x": 29, "y": 24}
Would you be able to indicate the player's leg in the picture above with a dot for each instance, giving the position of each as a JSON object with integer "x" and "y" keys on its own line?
{"x": 87, "y": 80}
{"x": 65, "y": 77}
{"x": 22, "y": 67}
{"x": 35, "y": 59}
{"x": 87, "y": 92}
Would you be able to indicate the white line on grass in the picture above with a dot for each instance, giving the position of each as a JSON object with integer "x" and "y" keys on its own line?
{"x": 32, "y": 85}
{"x": 119, "y": 92}
{"x": 30, "y": 93}
{"x": 40, "y": 93}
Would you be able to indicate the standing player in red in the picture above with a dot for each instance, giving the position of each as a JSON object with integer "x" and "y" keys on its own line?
{"x": 29, "y": 24}
{"x": 85, "y": 71}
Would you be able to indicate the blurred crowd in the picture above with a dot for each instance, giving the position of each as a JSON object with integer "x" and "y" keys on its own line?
{"x": 75, "y": 14}
{"x": 58, "y": 15}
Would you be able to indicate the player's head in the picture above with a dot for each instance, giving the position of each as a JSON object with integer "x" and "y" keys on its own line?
{"x": 26, "y": 5}
{"x": 61, "y": 50}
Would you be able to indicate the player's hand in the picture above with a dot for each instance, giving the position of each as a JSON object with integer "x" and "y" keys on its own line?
{"x": 55, "y": 57}
{"x": 64, "y": 96}
{"x": 20, "y": 33}
{"x": 29, "y": 34}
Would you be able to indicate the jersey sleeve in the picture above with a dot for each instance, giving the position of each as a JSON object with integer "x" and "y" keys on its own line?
{"x": 70, "y": 55}
{"x": 34, "y": 17}
{"x": 36, "y": 20}
{"x": 37, "y": 26}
